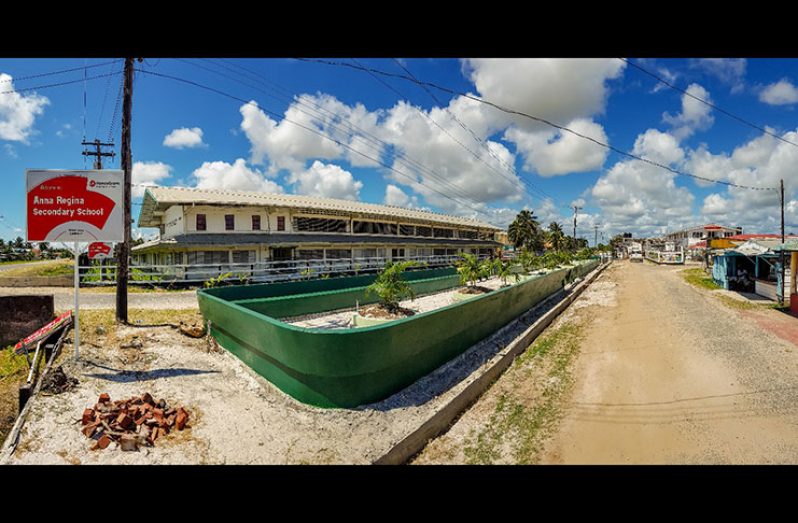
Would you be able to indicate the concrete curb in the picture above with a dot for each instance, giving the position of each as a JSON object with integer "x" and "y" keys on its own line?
{"x": 414, "y": 442}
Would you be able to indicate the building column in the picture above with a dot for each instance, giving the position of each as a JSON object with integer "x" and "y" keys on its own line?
{"x": 793, "y": 270}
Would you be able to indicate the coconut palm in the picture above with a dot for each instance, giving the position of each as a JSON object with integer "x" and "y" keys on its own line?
{"x": 504, "y": 270}
{"x": 556, "y": 237}
{"x": 390, "y": 287}
{"x": 468, "y": 267}
{"x": 525, "y": 231}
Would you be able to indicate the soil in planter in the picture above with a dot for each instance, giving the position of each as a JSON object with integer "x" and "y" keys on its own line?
{"x": 474, "y": 290}
{"x": 376, "y": 311}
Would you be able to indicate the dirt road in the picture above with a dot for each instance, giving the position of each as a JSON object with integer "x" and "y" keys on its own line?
{"x": 642, "y": 368}
{"x": 672, "y": 375}
{"x": 96, "y": 299}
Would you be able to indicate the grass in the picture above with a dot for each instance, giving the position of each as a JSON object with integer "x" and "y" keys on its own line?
{"x": 49, "y": 268}
{"x": 744, "y": 305}
{"x": 522, "y": 425}
{"x": 699, "y": 278}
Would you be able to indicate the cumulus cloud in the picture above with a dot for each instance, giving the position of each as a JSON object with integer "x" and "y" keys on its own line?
{"x": 638, "y": 197}
{"x": 326, "y": 180}
{"x": 730, "y": 71}
{"x": 558, "y": 89}
{"x": 695, "y": 115}
{"x": 10, "y": 151}
{"x": 238, "y": 176}
{"x": 184, "y": 138}
{"x": 714, "y": 204}
{"x": 397, "y": 197}
{"x": 18, "y": 112}
{"x": 782, "y": 92}
{"x": 288, "y": 145}
{"x": 149, "y": 174}
{"x": 557, "y": 153}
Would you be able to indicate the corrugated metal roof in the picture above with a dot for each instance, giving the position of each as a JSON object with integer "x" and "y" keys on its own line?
{"x": 160, "y": 198}
{"x": 235, "y": 239}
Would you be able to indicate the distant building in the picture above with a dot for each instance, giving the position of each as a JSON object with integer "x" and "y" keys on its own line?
{"x": 240, "y": 229}
{"x": 687, "y": 237}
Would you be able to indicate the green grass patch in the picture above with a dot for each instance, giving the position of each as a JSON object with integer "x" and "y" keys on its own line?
{"x": 518, "y": 422}
{"x": 10, "y": 363}
{"x": 699, "y": 278}
{"x": 741, "y": 305}
{"x": 49, "y": 268}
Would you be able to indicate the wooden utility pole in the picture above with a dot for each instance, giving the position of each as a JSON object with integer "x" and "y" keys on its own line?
{"x": 123, "y": 255}
{"x": 781, "y": 197}
{"x": 595, "y": 235}
{"x": 97, "y": 144}
{"x": 576, "y": 210}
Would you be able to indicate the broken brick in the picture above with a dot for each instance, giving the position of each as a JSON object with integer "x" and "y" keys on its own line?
{"x": 182, "y": 418}
{"x": 128, "y": 443}
{"x": 124, "y": 421}
{"x": 88, "y": 416}
{"x": 104, "y": 398}
{"x": 103, "y": 442}
{"x": 89, "y": 429}
{"x": 147, "y": 398}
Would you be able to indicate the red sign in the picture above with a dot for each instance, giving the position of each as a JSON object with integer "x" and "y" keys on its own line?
{"x": 74, "y": 205}
{"x": 42, "y": 333}
{"x": 99, "y": 251}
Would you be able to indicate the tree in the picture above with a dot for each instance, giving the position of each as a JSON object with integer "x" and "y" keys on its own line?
{"x": 389, "y": 286}
{"x": 556, "y": 237}
{"x": 525, "y": 231}
{"x": 504, "y": 270}
{"x": 44, "y": 246}
{"x": 468, "y": 267}
{"x": 19, "y": 242}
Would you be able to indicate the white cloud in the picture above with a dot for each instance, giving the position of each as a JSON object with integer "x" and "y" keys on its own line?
{"x": 397, "y": 197}
{"x": 10, "y": 151}
{"x": 238, "y": 176}
{"x": 64, "y": 130}
{"x": 148, "y": 173}
{"x": 286, "y": 145}
{"x": 730, "y": 71}
{"x": 782, "y": 92}
{"x": 666, "y": 74}
{"x": 695, "y": 115}
{"x": 18, "y": 112}
{"x": 715, "y": 204}
{"x": 558, "y": 89}
{"x": 579, "y": 202}
{"x": 556, "y": 153}
{"x": 641, "y": 198}
{"x": 326, "y": 180}
{"x": 184, "y": 138}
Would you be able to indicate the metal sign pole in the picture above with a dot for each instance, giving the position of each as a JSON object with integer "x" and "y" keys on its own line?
{"x": 77, "y": 300}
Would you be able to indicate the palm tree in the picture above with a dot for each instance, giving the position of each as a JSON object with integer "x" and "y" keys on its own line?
{"x": 468, "y": 268}
{"x": 525, "y": 230}
{"x": 556, "y": 236}
{"x": 390, "y": 287}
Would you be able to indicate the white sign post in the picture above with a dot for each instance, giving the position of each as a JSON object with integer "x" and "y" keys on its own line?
{"x": 75, "y": 206}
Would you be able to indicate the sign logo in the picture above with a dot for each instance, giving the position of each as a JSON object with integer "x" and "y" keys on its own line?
{"x": 99, "y": 251}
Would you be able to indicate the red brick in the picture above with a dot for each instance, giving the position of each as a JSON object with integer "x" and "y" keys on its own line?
{"x": 104, "y": 398}
{"x": 147, "y": 398}
{"x": 182, "y": 418}
{"x": 89, "y": 429}
{"x": 124, "y": 421}
{"x": 128, "y": 443}
{"x": 103, "y": 442}
{"x": 88, "y": 416}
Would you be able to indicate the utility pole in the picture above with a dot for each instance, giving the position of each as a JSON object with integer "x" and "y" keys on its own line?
{"x": 595, "y": 235}
{"x": 97, "y": 144}
{"x": 781, "y": 197}
{"x": 124, "y": 248}
{"x": 576, "y": 210}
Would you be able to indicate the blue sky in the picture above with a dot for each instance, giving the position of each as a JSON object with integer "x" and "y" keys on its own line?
{"x": 464, "y": 158}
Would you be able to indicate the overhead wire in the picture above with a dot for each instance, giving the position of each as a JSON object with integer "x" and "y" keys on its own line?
{"x": 59, "y": 84}
{"x": 540, "y": 120}
{"x": 52, "y": 73}
{"x": 373, "y": 139}
{"x": 310, "y": 129}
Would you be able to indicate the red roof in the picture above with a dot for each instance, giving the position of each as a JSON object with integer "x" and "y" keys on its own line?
{"x": 697, "y": 245}
{"x": 743, "y": 237}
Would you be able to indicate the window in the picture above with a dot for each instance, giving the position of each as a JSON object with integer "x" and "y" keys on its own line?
{"x": 338, "y": 254}
{"x": 255, "y": 222}
{"x": 319, "y": 225}
{"x": 373, "y": 228}
{"x": 471, "y": 235}
{"x": 243, "y": 256}
{"x": 424, "y": 231}
{"x": 443, "y": 233}
{"x": 281, "y": 223}
{"x": 201, "y": 224}
{"x": 310, "y": 254}
{"x": 208, "y": 257}
{"x": 229, "y": 222}
{"x": 407, "y": 230}
{"x": 439, "y": 252}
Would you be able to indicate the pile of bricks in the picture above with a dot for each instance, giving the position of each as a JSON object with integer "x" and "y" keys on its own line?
{"x": 132, "y": 422}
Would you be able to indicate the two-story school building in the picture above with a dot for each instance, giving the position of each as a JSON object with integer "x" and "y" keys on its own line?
{"x": 239, "y": 228}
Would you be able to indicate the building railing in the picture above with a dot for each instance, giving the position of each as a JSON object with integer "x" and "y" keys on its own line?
{"x": 268, "y": 271}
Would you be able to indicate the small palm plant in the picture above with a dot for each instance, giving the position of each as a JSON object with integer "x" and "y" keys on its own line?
{"x": 468, "y": 268}
{"x": 504, "y": 270}
{"x": 390, "y": 287}
{"x": 486, "y": 269}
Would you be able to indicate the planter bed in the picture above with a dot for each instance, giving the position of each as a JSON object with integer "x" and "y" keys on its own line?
{"x": 349, "y": 367}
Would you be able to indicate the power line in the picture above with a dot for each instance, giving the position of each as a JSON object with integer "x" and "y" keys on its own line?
{"x": 310, "y": 129}
{"x": 537, "y": 119}
{"x": 59, "y": 84}
{"x": 40, "y": 75}
{"x": 706, "y": 102}
{"x": 411, "y": 163}
{"x": 102, "y": 106}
